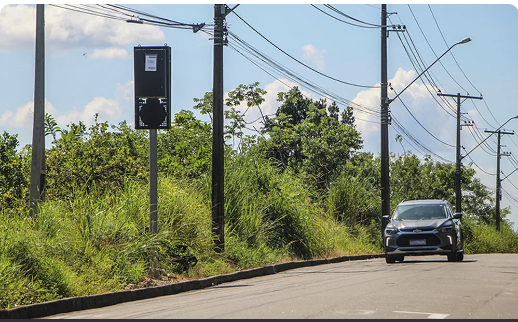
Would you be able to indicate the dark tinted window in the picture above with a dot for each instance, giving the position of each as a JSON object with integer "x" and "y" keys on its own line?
{"x": 420, "y": 212}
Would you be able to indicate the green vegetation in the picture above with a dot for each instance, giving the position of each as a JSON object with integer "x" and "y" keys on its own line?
{"x": 300, "y": 189}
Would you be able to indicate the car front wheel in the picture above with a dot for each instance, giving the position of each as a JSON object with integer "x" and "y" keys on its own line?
{"x": 452, "y": 257}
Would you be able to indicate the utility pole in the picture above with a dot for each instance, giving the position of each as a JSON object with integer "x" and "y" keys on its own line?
{"x": 498, "y": 181}
{"x": 384, "y": 156}
{"x": 38, "y": 182}
{"x": 218, "y": 175}
{"x": 458, "y": 172}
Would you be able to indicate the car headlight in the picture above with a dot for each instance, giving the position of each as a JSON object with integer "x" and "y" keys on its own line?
{"x": 391, "y": 231}
{"x": 444, "y": 229}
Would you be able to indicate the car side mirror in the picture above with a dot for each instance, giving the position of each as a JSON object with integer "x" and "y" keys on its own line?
{"x": 384, "y": 221}
{"x": 457, "y": 215}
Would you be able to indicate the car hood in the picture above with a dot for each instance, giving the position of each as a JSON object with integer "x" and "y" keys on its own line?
{"x": 418, "y": 224}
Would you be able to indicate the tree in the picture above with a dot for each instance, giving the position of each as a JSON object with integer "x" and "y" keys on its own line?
{"x": 101, "y": 155}
{"x": 251, "y": 95}
{"x": 14, "y": 171}
{"x": 185, "y": 149}
{"x": 309, "y": 137}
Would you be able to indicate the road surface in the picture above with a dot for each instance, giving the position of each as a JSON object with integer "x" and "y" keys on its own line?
{"x": 482, "y": 286}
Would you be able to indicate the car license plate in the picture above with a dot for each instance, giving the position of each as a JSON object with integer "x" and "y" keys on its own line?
{"x": 417, "y": 242}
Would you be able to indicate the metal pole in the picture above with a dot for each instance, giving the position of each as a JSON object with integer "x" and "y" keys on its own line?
{"x": 498, "y": 188}
{"x": 458, "y": 191}
{"x": 37, "y": 187}
{"x": 217, "y": 134}
{"x": 384, "y": 157}
{"x": 153, "y": 193}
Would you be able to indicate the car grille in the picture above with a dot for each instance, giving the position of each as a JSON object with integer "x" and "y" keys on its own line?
{"x": 431, "y": 240}
{"x": 412, "y": 230}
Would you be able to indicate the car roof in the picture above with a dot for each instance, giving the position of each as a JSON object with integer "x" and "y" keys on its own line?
{"x": 424, "y": 201}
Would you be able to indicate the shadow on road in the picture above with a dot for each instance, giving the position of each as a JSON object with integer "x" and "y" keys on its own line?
{"x": 433, "y": 261}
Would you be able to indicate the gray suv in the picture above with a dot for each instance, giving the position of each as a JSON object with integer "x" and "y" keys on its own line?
{"x": 423, "y": 227}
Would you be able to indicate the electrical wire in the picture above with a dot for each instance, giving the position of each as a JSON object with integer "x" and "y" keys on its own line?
{"x": 449, "y": 112}
{"x": 297, "y": 78}
{"x": 357, "y": 20}
{"x": 462, "y": 71}
{"x": 451, "y": 52}
{"x": 298, "y": 61}
{"x": 419, "y": 67}
{"x": 450, "y": 145}
{"x": 109, "y": 10}
{"x": 478, "y": 138}
{"x": 349, "y": 23}
{"x": 416, "y": 141}
{"x": 491, "y": 174}
{"x": 422, "y": 32}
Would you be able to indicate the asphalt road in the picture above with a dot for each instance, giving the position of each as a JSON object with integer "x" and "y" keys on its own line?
{"x": 481, "y": 287}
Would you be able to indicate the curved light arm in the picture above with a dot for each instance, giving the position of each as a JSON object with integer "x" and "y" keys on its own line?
{"x": 514, "y": 117}
{"x": 463, "y": 41}
{"x": 509, "y": 174}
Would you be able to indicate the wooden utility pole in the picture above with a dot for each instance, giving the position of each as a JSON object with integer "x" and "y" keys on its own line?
{"x": 38, "y": 180}
{"x": 458, "y": 172}
{"x": 384, "y": 156}
{"x": 498, "y": 181}
{"x": 218, "y": 170}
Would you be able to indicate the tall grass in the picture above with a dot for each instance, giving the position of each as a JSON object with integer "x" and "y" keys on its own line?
{"x": 482, "y": 238}
{"x": 95, "y": 240}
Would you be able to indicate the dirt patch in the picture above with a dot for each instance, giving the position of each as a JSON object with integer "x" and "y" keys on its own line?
{"x": 152, "y": 282}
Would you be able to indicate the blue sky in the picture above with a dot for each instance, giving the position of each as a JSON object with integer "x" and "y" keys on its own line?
{"x": 89, "y": 68}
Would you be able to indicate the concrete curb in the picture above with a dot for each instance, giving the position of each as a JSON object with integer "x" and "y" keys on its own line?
{"x": 100, "y": 300}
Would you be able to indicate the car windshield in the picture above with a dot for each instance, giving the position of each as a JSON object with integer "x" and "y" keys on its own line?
{"x": 419, "y": 212}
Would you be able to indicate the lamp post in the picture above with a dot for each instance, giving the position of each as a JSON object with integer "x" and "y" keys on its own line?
{"x": 512, "y": 118}
{"x": 463, "y": 41}
{"x": 384, "y": 155}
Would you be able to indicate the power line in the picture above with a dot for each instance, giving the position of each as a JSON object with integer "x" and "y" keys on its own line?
{"x": 292, "y": 75}
{"x": 451, "y": 52}
{"x": 491, "y": 174}
{"x": 102, "y": 11}
{"x": 415, "y": 140}
{"x": 428, "y": 75}
{"x": 278, "y": 68}
{"x": 450, "y": 145}
{"x": 433, "y": 50}
{"x": 298, "y": 61}
{"x": 420, "y": 70}
{"x": 349, "y": 23}
{"x": 357, "y": 20}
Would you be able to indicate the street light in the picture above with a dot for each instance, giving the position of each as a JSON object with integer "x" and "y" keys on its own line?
{"x": 512, "y": 118}
{"x": 509, "y": 174}
{"x": 463, "y": 41}
{"x": 385, "y": 102}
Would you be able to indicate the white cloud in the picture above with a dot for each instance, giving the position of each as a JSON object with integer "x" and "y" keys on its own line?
{"x": 109, "y": 53}
{"x": 314, "y": 55}
{"x": 124, "y": 91}
{"x": 24, "y": 115}
{"x": 419, "y": 102}
{"x": 108, "y": 110}
{"x": 66, "y": 30}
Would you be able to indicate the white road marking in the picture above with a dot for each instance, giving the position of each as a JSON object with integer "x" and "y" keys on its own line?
{"x": 69, "y": 317}
{"x": 359, "y": 312}
{"x": 430, "y": 315}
